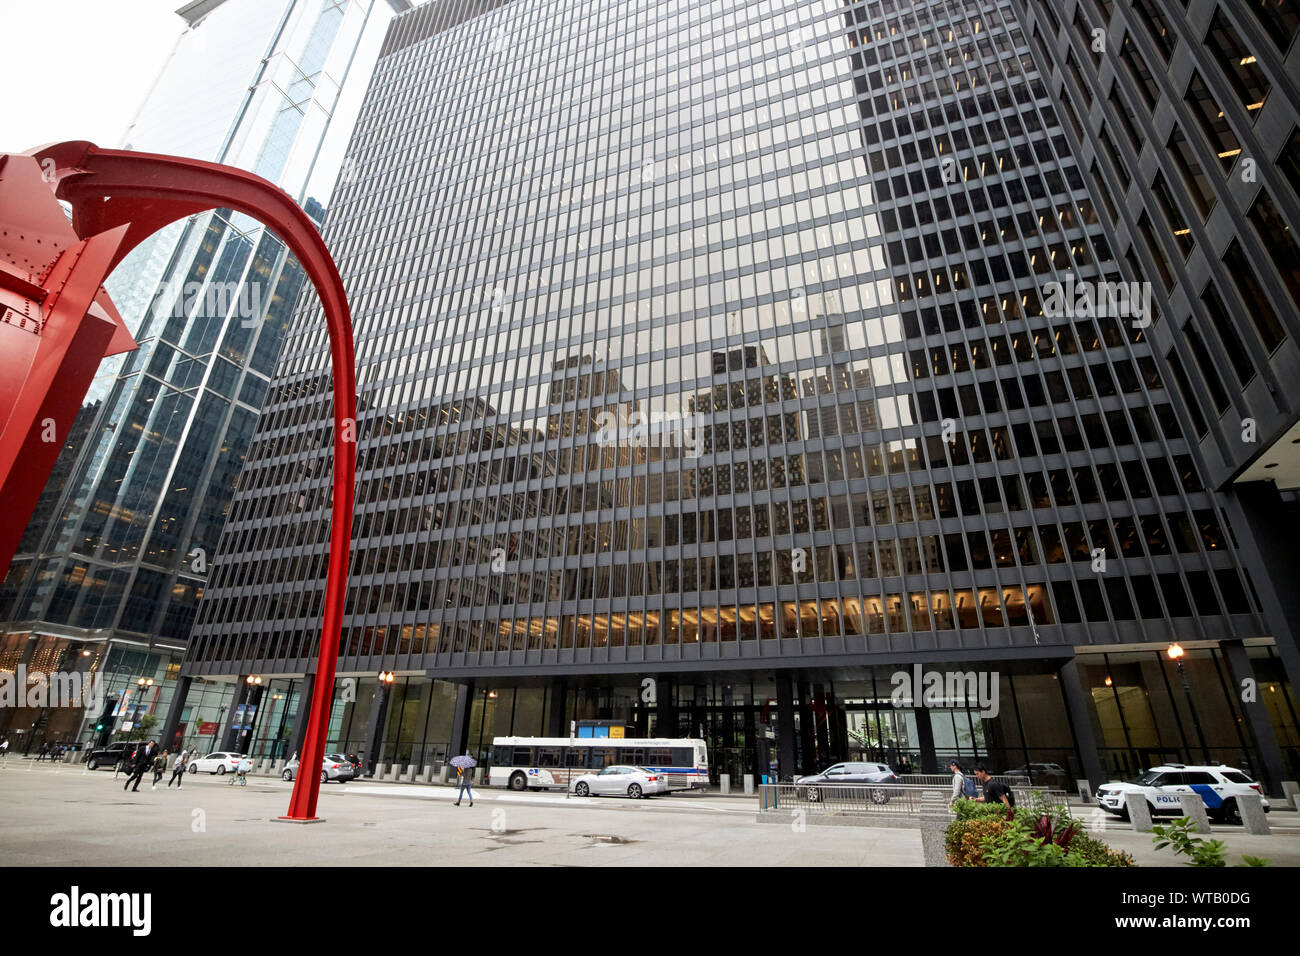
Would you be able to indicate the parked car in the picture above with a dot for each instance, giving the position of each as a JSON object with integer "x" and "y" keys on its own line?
{"x": 110, "y": 756}
{"x": 1218, "y": 787}
{"x": 634, "y": 782}
{"x": 1041, "y": 773}
{"x": 220, "y": 762}
{"x": 849, "y": 774}
{"x": 335, "y": 767}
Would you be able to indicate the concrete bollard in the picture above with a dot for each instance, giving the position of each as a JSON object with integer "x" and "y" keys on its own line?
{"x": 724, "y": 783}
{"x": 427, "y": 776}
{"x": 1296, "y": 801}
{"x": 1139, "y": 812}
{"x": 380, "y": 770}
{"x": 1253, "y": 817}
{"x": 1194, "y": 808}
{"x": 394, "y": 772}
{"x": 409, "y": 776}
{"x": 1085, "y": 790}
{"x": 749, "y": 784}
{"x": 442, "y": 774}
{"x": 1290, "y": 790}
{"x": 935, "y": 817}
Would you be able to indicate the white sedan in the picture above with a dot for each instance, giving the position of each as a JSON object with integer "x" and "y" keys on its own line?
{"x": 219, "y": 762}
{"x": 635, "y": 782}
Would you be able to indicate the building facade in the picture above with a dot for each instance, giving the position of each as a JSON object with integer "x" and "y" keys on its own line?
{"x": 117, "y": 554}
{"x": 714, "y": 375}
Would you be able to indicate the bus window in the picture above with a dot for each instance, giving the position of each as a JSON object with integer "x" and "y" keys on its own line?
{"x": 683, "y": 757}
{"x": 523, "y": 757}
{"x": 602, "y": 757}
{"x": 549, "y": 757}
{"x": 634, "y": 755}
{"x": 660, "y": 757}
{"x": 576, "y": 757}
{"x": 501, "y": 756}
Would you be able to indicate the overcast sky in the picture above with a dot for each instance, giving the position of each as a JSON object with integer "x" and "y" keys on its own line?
{"x": 79, "y": 69}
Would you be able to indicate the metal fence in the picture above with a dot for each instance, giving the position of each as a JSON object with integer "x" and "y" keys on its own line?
{"x": 872, "y": 798}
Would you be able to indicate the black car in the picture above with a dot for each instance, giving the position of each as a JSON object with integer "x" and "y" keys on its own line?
{"x": 110, "y": 756}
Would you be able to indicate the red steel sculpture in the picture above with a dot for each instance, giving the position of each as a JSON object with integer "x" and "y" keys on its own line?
{"x": 57, "y": 323}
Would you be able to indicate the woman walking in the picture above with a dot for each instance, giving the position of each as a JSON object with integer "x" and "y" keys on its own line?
{"x": 178, "y": 771}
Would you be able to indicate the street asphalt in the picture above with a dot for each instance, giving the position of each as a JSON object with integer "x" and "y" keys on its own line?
{"x": 64, "y": 815}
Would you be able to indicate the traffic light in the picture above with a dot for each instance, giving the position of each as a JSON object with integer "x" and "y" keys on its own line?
{"x": 104, "y": 722}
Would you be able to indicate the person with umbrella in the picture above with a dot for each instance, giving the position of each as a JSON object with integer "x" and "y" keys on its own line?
{"x": 464, "y": 771}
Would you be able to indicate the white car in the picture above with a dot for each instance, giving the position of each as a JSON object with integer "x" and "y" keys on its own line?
{"x": 219, "y": 763}
{"x": 1217, "y": 786}
{"x": 635, "y": 782}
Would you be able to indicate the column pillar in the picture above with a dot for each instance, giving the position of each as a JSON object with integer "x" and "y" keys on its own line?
{"x": 665, "y": 706}
{"x": 460, "y": 728}
{"x": 1259, "y": 729}
{"x": 375, "y": 728}
{"x": 252, "y": 708}
{"x": 299, "y": 730}
{"x": 228, "y": 732}
{"x": 1266, "y": 531}
{"x": 924, "y": 735}
{"x": 785, "y": 729}
{"x": 1077, "y": 706}
{"x": 556, "y": 725}
{"x": 173, "y": 719}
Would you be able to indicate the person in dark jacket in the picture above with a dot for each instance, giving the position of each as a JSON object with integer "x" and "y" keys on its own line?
{"x": 159, "y": 768}
{"x": 144, "y": 757}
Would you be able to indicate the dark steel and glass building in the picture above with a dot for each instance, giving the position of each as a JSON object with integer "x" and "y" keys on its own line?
{"x": 1187, "y": 117}
{"x": 113, "y": 563}
{"x": 819, "y": 246}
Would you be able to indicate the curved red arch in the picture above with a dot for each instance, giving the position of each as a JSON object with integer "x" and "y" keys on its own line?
{"x": 109, "y": 189}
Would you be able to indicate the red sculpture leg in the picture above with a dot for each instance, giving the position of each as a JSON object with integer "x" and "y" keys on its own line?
{"x": 50, "y": 286}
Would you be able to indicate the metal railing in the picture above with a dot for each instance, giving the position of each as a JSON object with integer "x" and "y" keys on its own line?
{"x": 872, "y": 798}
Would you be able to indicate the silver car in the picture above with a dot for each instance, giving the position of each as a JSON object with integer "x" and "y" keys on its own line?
{"x": 635, "y": 782}
{"x": 334, "y": 767}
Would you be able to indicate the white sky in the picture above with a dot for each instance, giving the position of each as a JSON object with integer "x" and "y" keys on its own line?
{"x": 79, "y": 69}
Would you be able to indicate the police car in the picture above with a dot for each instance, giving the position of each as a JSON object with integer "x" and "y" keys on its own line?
{"x": 1217, "y": 786}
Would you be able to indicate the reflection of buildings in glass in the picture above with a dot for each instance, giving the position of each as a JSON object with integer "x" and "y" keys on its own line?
{"x": 116, "y": 556}
{"x": 903, "y": 454}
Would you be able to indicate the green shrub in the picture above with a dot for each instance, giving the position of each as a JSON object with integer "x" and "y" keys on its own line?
{"x": 1041, "y": 833}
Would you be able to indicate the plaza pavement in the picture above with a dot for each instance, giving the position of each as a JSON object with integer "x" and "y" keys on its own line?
{"x": 64, "y": 815}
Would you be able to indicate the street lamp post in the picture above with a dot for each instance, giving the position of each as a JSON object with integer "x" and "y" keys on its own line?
{"x": 1176, "y": 654}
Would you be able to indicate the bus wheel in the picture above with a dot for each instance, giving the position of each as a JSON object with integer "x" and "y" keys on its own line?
{"x": 518, "y": 782}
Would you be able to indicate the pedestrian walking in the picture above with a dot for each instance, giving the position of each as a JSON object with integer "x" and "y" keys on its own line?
{"x": 963, "y": 787}
{"x": 125, "y": 760}
{"x": 994, "y": 792}
{"x": 178, "y": 770}
{"x": 159, "y": 768}
{"x": 4, "y": 749}
{"x": 144, "y": 756}
{"x": 464, "y": 775}
{"x": 44, "y": 752}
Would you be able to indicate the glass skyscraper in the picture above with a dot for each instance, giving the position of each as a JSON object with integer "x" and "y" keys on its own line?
{"x": 712, "y": 373}
{"x": 117, "y": 554}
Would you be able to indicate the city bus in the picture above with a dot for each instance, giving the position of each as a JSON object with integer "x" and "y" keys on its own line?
{"x": 545, "y": 763}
